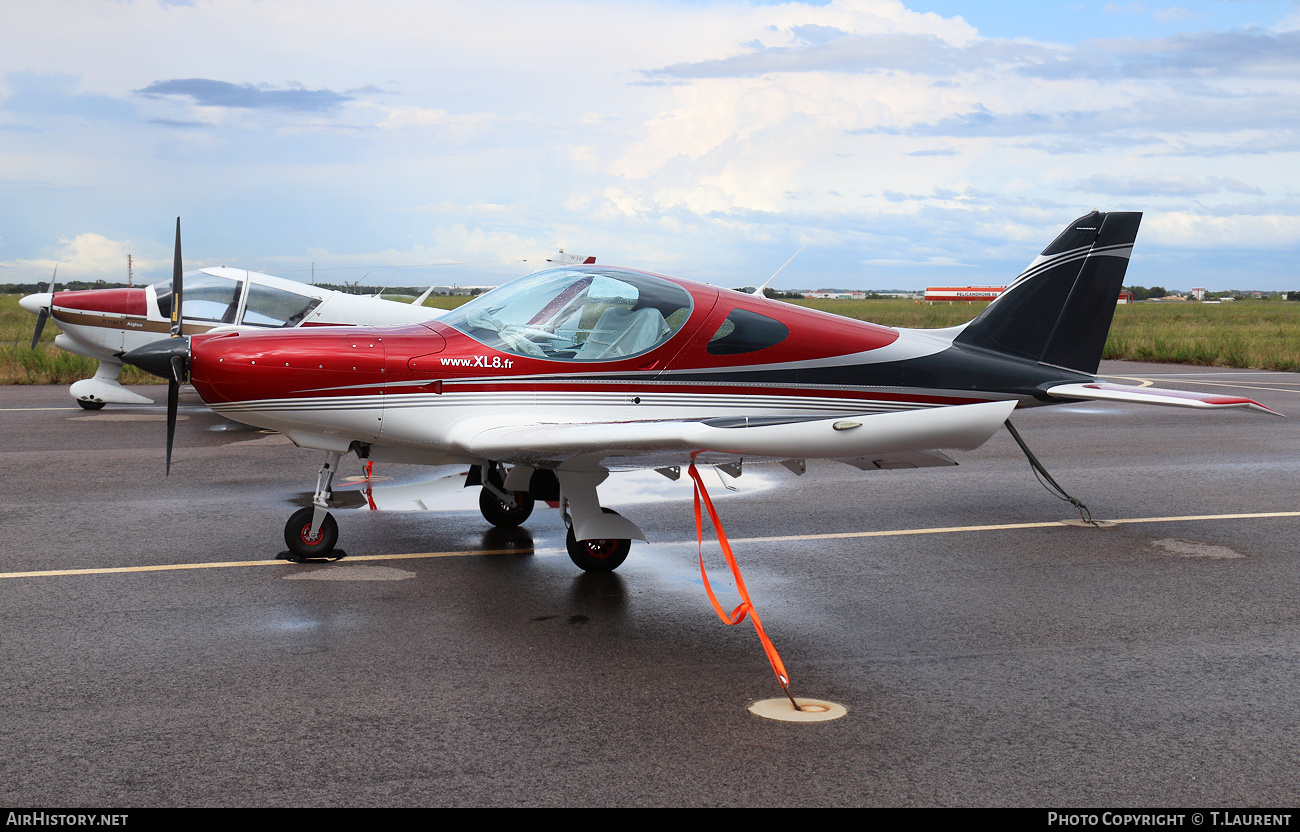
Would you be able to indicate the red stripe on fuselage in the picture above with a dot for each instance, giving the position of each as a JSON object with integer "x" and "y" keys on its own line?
{"x": 109, "y": 301}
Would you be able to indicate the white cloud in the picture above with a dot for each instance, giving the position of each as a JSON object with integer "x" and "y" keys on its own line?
{"x": 460, "y": 126}
{"x": 87, "y": 256}
{"x": 1187, "y": 229}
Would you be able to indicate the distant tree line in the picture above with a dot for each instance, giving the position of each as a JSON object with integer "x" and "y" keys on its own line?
{"x": 777, "y": 294}
{"x": 355, "y": 288}
{"x": 1143, "y": 293}
{"x": 63, "y": 286}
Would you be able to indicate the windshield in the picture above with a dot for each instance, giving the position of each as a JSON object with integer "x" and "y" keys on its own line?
{"x": 576, "y": 315}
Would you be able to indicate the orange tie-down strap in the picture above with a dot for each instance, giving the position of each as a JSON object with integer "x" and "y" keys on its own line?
{"x": 366, "y": 489}
{"x": 746, "y": 606}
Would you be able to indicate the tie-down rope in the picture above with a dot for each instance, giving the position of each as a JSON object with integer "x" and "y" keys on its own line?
{"x": 746, "y": 606}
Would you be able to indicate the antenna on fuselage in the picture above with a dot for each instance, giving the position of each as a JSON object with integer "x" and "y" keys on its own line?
{"x": 759, "y": 291}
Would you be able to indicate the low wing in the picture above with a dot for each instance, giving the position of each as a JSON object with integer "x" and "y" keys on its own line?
{"x": 604, "y": 445}
{"x": 1103, "y": 391}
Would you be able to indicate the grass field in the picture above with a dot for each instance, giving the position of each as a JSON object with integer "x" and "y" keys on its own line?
{"x": 1256, "y": 334}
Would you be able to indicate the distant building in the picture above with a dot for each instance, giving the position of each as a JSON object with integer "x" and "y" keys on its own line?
{"x": 836, "y": 293}
{"x": 1199, "y": 294}
{"x": 962, "y": 294}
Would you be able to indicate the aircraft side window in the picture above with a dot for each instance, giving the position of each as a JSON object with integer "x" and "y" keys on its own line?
{"x": 208, "y": 297}
{"x": 268, "y": 306}
{"x": 744, "y": 331}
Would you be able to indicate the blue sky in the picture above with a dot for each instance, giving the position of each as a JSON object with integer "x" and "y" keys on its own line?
{"x": 414, "y": 142}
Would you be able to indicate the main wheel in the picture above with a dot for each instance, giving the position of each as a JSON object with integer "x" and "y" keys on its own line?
{"x": 89, "y": 405}
{"x": 297, "y": 535}
{"x": 603, "y": 555}
{"x": 499, "y": 514}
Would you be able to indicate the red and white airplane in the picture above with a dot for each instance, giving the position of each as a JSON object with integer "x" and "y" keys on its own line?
{"x": 106, "y": 323}
{"x": 548, "y": 383}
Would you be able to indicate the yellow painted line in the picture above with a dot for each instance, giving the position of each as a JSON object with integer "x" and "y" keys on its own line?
{"x": 1004, "y": 526}
{"x": 1176, "y": 378}
{"x": 1276, "y": 388}
{"x": 476, "y": 552}
{"x": 1142, "y": 382}
{"x": 47, "y": 573}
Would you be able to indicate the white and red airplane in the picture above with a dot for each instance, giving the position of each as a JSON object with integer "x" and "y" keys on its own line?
{"x": 548, "y": 383}
{"x": 106, "y": 323}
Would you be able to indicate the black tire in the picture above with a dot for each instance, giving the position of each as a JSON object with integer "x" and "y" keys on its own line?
{"x": 85, "y": 405}
{"x": 604, "y": 555}
{"x": 495, "y": 512}
{"x": 298, "y": 528}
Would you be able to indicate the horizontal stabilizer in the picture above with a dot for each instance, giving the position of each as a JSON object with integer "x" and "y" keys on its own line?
{"x": 1103, "y": 391}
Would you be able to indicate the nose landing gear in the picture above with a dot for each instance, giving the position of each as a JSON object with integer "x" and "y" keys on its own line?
{"x": 312, "y": 532}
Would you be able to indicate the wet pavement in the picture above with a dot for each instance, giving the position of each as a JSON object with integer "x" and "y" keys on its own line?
{"x": 984, "y": 658}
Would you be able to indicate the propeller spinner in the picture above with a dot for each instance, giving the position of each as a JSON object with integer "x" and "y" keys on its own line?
{"x": 42, "y": 305}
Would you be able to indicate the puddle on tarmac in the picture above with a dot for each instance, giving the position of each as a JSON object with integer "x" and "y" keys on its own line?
{"x": 352, "y": 573}
{"x": 1192, "y": 549}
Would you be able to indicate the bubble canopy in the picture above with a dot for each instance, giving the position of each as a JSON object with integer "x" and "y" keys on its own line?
{"x": 576, "y": 315}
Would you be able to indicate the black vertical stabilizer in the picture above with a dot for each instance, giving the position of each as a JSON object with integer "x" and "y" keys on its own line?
{"x": 1058, "y": 311}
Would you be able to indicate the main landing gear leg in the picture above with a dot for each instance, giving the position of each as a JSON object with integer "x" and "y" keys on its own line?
{"x": 312, "y": 532}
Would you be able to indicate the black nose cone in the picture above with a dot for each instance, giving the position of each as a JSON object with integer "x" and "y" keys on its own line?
{"x": 157, "y": 357}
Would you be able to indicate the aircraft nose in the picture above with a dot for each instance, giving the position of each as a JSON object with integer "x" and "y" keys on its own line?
{"x": 34, "y": 303}
{"x": 157, "y": 357}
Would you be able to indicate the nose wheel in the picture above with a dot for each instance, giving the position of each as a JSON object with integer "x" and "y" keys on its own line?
{"x": 500, "y": 513}
{"x": 302, "y": 543}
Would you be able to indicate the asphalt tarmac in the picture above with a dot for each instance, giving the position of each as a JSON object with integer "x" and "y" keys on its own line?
{"x": 155, "y": 653}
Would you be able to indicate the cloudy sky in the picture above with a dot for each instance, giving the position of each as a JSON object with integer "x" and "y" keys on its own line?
{"x": 924, "y": 142}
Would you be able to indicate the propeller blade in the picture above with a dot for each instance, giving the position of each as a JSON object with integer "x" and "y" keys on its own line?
{"x": 169, "y": 359}
{"x": 177, "y": 285}
{"x": 173, "y": 399}
{"x": 40, "y": 324}
{"x": 179, "y": 368}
